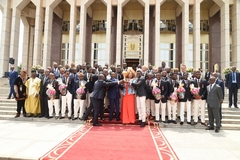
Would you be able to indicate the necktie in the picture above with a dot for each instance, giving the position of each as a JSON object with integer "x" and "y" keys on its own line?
{"x": 210, "y": 87}
{"x": 158, "y": 83}
{"x": 234, "y": 78}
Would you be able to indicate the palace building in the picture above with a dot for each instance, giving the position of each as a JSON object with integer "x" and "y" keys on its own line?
{"x": 198, "y": 33}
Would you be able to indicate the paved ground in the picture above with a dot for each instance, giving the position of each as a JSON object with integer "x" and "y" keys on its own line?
{"x": 31, "y": 140}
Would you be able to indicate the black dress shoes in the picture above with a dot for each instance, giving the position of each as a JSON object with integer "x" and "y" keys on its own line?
{"x": 169, "y": 121}
{"x": 217, "y": 130}
{"x": 74, "y": 118}
{"x": 181, "y": 123}
{"x": 174, "y": 122}
{"x": 195, "y": 123}
{"x": 17, "y": 115}
{"x": 235, "y": 106}
{"x": 189, "y": 123}
{"x": 203, "y": 123}
{"x": 97, "y": 124}
{"x": 209, "y": 128}
{"x": 143, "y": 124}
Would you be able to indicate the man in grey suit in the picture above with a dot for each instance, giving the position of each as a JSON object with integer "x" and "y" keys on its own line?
{"x": 214, "y": 100}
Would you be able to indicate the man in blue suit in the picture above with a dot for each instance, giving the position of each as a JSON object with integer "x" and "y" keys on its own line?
{"x": 113, "y": 96}
{"x": 233, "y": 84}
{"x": 13, "y": 75}
{"x": 221, "y": 84}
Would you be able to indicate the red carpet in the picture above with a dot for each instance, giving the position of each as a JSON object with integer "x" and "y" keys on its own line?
{"x": 114, "y": 142}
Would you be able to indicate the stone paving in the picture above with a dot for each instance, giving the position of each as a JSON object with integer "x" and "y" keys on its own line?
{"x": 31, "y": 140}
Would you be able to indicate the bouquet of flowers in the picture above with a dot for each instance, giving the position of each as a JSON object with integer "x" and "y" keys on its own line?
{"x": 195, "y": 91}
{"x": 51, "y": 92}
{"x": 63, "y": 89}
{"x": 190, "y": 70}
{"x": 156, "y": 93}
{"x": 36, "y": 67}
{"x": 80, "y": 91}
{"x": 181, "y": 91}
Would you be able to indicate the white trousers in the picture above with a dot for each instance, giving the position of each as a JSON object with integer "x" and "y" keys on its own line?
{"x": 54, "y": 102}
{"x": 198, "y": 103}
{"x": 87, "y": 101}
{"x": 150, "y": 104}
{"x": 171, "y": 108}
{"x": 141, "y": 108}
{"x": 67, "y": 100}
{"x": 182, "y": 110}
{"x": 157, "y": 111}
{"x": 163, "y": 109}
{"x": 78, "y": 103}
{"x": 178, "y": 109}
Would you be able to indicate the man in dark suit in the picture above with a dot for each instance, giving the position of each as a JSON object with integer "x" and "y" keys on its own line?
{"x": 90, "y": 78}
{"x": 113, "y": 96}
{"x": 44, "y": 97}
{"x": 185, "y": 101}
{"x": 13, "y": 75}
{"x": 214, "y": 99}
{"x": 207, "y": 75}
{"x": 163, "y": 86}
{"x": 233, "y": 84}
{"x": 221, "y": 84}
{"x": 97, "y": 96}
{"x": 200, "y": 100}
{"x": 140, "y": 86}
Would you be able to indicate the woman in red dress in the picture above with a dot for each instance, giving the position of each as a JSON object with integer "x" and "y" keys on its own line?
{"x": 128, "y": 99}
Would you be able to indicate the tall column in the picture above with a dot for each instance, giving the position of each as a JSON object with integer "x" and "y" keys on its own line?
{"x": 225, "y": 44}
{"x": 47, "y": 37}
{"x": 82, "y": 35}
{"x": 185, "y": 32}
{"x": 72, "y": 32}
{"x": 108, "y": 32}
{"x": 50, "y": 5}
{"x": 146, "y": 34}
{"x": 30, "y": 50}
{"x": 236, "y": 34}
{"x": 119, "y": 33}
{"x": 16, "y": 14}
{"x": 5, "y": 42}
{"x": 26, "y": 37}
{"x": 38, "y": 33}
{"x": 196, "y": 34}
{"x": 157, "y": 33}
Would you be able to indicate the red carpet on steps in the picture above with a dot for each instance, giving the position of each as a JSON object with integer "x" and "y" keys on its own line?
{"x": 114, "y": 142}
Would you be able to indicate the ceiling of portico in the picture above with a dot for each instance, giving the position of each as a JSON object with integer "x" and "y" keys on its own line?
{"x": 98, "y": 5}
{"x": 169, "y": 5}
{"x": 207, "y": 4}
{"x": 64, "y": 5}
{"x": 133, "y": 5}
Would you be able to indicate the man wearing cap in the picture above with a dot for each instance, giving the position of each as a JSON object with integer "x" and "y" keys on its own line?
{"x": 32, "y": 102}
{"x": 140, "y": 86}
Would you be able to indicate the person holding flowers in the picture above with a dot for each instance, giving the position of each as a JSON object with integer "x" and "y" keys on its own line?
{"x": 185, "y": 97}
{"x": 79, "y": 99}
{"x": 199, "y": 92}
{"x": 66, "y": 90}
{"x": 163, "y": 87}
{"x": 53, "y": 96}
{"x": 172, "y": 98}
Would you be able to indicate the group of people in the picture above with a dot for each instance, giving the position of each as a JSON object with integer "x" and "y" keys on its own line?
{"x": 130, "y": 93}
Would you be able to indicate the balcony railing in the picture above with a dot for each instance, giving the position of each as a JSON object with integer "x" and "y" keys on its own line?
{"x": 133, "y": 25}
{"x": 99, "y": 26}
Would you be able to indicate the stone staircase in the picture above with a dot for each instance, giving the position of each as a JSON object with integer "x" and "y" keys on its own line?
{"x": 231, "y": 116}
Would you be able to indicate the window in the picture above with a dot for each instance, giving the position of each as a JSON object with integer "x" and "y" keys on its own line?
{"x": 65, "y": 53}
{"x": 98, "y": 53}
{"x": 168, "y": 54}
{"x": 204, "y": 57}
{"x": 65, "y": 26}
{"x": 168, "y": 25}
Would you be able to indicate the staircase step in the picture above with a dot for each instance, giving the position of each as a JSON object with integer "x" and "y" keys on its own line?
{"x": 9, "y": 104}
{"x": 7, "y": 112}
{"x": 9, "y": 108}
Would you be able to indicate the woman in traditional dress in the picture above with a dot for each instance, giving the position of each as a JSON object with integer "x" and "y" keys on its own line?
{"x": 128, "y": 99}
